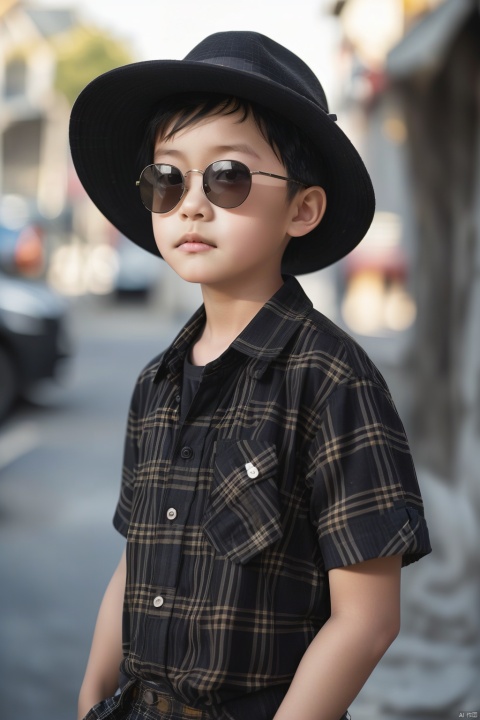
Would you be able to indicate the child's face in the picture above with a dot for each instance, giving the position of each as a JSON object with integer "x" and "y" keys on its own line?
{"x": 224, "y": 248}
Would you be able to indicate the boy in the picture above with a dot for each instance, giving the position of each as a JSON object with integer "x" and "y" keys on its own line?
{"x": 268, "y": 494}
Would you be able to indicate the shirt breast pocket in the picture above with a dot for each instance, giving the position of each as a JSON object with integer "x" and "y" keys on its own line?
{"x": 243, "y": 514}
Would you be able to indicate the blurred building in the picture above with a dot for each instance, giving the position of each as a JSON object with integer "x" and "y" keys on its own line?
{"x": 33, "y": 115}
{"x": 376, "y": 280}
{"x": 46, "y": 57}
{"x": 411, "y": 70}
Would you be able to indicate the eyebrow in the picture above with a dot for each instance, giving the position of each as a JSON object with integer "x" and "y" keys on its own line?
{"x": 235, "y": 147}
{"x": 241, "y": 148}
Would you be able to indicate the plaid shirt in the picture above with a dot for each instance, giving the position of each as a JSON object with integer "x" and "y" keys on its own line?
{"x": 291, "y": 461}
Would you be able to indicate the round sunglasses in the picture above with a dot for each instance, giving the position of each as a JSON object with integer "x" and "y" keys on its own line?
{"x": 226, "y": 183}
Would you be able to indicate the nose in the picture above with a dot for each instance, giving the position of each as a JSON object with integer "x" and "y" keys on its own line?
{"x": 195, "y": 203}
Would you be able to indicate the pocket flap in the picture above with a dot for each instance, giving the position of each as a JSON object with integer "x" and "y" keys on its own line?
{"x": 243, "y": 516}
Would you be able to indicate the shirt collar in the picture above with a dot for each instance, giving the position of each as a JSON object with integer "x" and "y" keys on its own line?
{"x": 263, "y": 339}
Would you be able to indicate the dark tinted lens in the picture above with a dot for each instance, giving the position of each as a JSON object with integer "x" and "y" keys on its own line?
{"x": 227, "y": 183}
{"x": 161, "y": 187}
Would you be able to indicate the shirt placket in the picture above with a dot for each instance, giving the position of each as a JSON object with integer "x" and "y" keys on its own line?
{"x": 179, "y": 494}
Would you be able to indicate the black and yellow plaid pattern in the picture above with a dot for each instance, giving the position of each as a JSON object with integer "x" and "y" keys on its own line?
{"x": 291, "y": 461}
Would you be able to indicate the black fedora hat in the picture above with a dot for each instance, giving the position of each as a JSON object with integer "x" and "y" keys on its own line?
{"x": 110, "y": 116}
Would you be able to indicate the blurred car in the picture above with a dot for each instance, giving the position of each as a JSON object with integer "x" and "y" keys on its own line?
{"x": 136, "y": 271}
{"x": 33, "y": 339}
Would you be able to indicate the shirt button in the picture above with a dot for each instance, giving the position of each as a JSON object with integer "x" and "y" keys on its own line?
{"x": 186, "y": 453}
{"x": 171, "y": 513}
{"x": 158, "y": 602}
{"x": 178, "y": 398}
{"x": 252, "y": 471}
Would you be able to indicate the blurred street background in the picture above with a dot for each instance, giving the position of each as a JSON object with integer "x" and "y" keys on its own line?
{"x": 82, "y": 310}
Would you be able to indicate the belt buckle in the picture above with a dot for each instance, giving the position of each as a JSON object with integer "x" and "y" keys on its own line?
{"x": 163, "y": 703}
{"x": 154, "y": 699}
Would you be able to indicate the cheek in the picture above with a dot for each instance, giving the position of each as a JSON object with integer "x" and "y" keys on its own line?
{"x": 267, "y": 204}
{"x": 260, "y": 220}
{"x": 160, "y": 227}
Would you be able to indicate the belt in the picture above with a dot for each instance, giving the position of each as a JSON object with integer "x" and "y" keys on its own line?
{"x": 164, "y": 703}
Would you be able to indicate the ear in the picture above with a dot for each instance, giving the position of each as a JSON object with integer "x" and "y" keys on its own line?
{"x": 308, "y": 207}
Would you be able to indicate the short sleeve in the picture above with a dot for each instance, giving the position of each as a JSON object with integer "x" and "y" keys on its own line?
{"x": 121, "y": 519}
{"x": 365, "y": 498}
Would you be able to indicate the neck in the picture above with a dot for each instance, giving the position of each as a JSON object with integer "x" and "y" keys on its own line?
{"x": 227, "y": 314}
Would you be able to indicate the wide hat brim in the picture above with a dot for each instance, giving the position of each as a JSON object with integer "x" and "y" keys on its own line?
{"x": 108, "y": 125}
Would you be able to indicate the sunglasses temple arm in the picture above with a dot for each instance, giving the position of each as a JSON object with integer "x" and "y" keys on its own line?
{"x": 279, "y": 177}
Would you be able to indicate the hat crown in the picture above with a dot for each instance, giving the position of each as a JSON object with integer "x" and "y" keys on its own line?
{"x": 256, "y": 54}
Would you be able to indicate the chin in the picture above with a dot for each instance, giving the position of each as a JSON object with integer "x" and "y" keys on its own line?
{"x": 193, "y": 276}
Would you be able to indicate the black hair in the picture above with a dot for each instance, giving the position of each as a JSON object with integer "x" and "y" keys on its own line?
{"x": 289, "y": 143}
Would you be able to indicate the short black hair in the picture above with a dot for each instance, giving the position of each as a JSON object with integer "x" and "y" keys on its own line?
{"x": 289, "y": 143}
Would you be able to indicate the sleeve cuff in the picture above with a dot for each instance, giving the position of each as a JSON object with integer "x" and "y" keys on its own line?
{"x": 399, "y": 531}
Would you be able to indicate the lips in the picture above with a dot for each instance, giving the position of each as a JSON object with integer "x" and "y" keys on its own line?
{"x": 195, "y": 239}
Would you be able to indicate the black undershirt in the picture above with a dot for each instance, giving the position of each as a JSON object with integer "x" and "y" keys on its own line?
{"x": 192, "y": 375}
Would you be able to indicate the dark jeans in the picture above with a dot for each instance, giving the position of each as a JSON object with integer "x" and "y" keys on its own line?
{"x": 138, "y": 702}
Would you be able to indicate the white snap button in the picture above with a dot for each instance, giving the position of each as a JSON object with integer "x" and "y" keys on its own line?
{"x": 252, "y": 471}
{"x": 171, "y": 513}
{"x": 158, "y": 602}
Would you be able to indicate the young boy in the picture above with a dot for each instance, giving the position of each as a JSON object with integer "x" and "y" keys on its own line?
{"x": 268, "y": 495}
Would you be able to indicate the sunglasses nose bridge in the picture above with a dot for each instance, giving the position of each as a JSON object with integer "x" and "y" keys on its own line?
{"x": 194, "y": 170}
